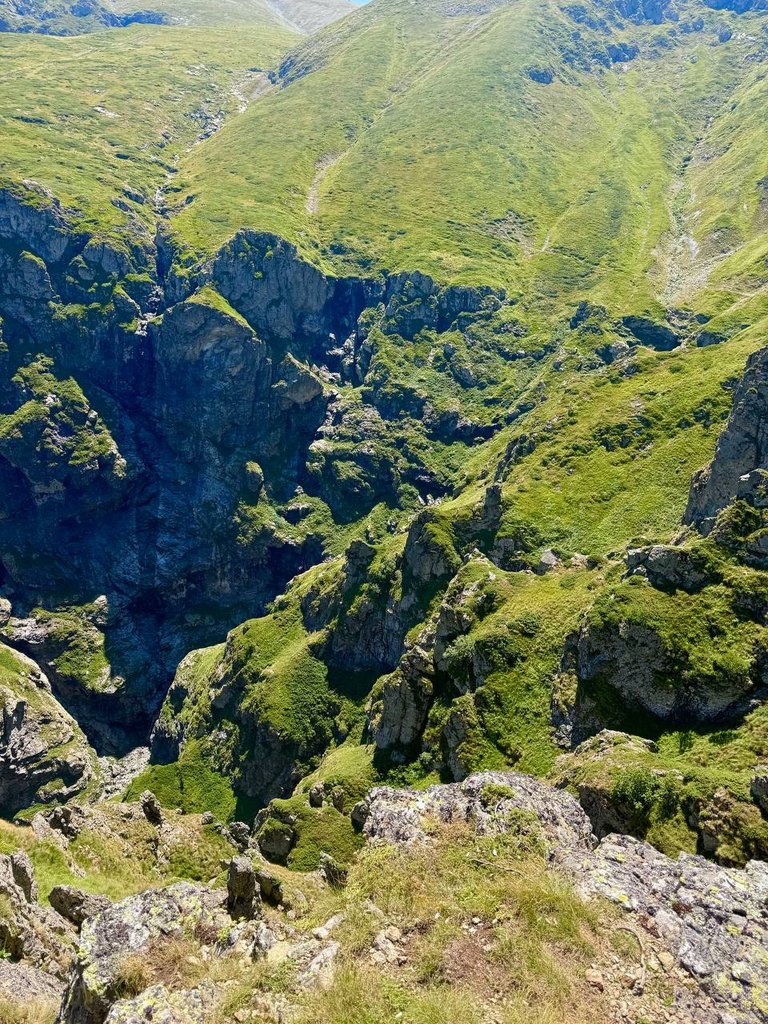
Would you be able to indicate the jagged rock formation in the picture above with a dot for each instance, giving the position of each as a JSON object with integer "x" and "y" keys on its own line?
{"x": 29, "y": 931}
{"x": 738, "y": 471}
{"x": 44, "y": 756}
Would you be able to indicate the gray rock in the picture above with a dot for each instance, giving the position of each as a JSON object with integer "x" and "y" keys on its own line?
{"x": 119, "y": 772}
{"x": 759, "y": 787}
{"x": 160, "y": 1005}
{"x": 44, "y": 756}
{"x": 75, "y": 905}
{"x": 29, "y": 931}
{"x": 129, "y": 928}
{"x": 151, "y": 807}
{"x": 24, "y": 875}
{"x": 709, "y": 917}
{"x": 25, "y": 984}
{"x": 270, "y": 886}
{"x": 241, "y": 887}
{"x": 359, "y": 814}
{"x": 316, "y": 795}
{"x": 398, "y": 816}
{"x": 240, "y": 834}
{"x": 738, "y": 469}
{"x": 275, "y": 840}
{"x": 667, "y": 566}
{"x": 547, "y": 562}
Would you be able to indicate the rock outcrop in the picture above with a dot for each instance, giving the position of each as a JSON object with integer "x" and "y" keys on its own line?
{"x": 713, "y": 921}
{"x": 44, "y": 756}
{"x": 128, "y": 929}
{"x": 31, "y": 933}
{"x": 740, "y": 467}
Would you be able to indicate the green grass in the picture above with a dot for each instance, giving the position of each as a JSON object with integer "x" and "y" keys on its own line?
{"x": 117, "y": 855}
{"x": 102, "y": 118}
{"x": 558, "y": 189}
{"x": 189, "y": 783}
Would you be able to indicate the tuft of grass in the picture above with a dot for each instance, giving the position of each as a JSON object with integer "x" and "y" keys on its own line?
{"x": 32, "y": 1011}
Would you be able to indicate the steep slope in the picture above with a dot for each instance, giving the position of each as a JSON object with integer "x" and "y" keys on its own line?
{"x": 560, "y": 186}
{"x": 367, "y": 399}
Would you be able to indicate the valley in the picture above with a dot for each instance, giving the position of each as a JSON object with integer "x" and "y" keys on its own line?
{"x": 383, "y": 409}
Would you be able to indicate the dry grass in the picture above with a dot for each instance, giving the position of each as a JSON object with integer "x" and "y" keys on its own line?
{"x": 175, "y": 963}
{"x": 35, "y": 1011}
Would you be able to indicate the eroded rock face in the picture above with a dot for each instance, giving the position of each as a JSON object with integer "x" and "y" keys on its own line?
{"x": 160, "y": 432}
{"x": 44, "y": 756}
{"x": 740, "y": 465}
{"x": 30, "y": 932}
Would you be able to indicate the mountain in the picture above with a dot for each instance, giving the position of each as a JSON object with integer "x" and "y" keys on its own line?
{"x": 382, "y": 405}
{"x": 59, "y": 18}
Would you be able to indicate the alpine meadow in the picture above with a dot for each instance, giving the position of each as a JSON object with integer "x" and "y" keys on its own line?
{"x": 384, "y": 512}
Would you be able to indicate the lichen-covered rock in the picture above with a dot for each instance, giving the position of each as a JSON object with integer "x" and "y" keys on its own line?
{"x": 159, "y": 1005}
{"x": 713, "y": 920}
{"x": 132, "y": 927}
{"x": 483, "y": 800}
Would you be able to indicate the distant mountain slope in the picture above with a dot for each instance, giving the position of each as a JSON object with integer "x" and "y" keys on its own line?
{"x": 100, "y": 120}
{"x": 547, "y": 147}
{"x": 61, "y": 17}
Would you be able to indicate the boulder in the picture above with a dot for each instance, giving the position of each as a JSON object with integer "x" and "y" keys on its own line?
{"x": 75, "y": 905}
{"x": 240, "y": 834}
{"x": 547, "y": 562}
{"x": 713, "y": 920}
{"x": 159, "y": 1005}
{"x": 275, "y": 840}
{"x": 270, "y": 886}
{"x": 316, "y": 795}
{"x": 128, "y": 928}
{"x": 151, "y": 807}
{"x": 25, "y": 984}
{"x": 759, "y": 787}
{"x": 241, "y": 887}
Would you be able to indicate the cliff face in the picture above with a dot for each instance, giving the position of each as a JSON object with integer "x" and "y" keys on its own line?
{"x": 158, "y": 432}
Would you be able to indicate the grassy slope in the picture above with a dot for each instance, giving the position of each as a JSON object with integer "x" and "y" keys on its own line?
{"x": 93, "y": 116}
{"x": 559, "y": 188}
